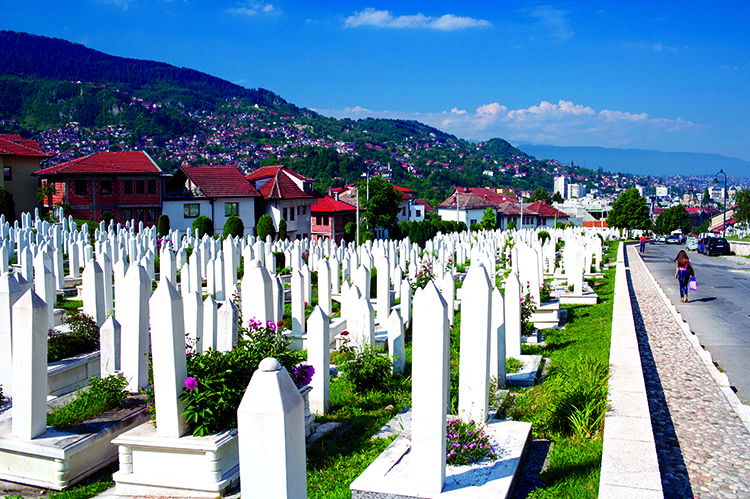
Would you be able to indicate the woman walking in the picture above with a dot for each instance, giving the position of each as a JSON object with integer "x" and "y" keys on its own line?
{"x": 683, "y": 272}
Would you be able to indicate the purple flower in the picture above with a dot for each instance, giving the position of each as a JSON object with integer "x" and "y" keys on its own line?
{"x": 302, "y": 374}
{"x": 191, "y": 383}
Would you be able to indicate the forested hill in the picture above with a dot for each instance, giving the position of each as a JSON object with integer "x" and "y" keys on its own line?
{"x": 76, "y": 101}
{"x": 31, "y": 56}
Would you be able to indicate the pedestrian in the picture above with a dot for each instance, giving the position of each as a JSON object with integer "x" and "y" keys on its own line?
{"x": 683, "y": 272}
{"x": 643, "y": 243}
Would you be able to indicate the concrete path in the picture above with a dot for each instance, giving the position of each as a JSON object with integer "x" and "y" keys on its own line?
{"x": 702, "y": 446}
{"x": 717, "y": 312}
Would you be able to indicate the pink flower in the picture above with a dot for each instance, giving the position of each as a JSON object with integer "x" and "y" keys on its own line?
{"x": 191, "y": 383}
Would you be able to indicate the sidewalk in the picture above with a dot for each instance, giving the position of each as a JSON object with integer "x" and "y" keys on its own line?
{"x": 702, "y": 446}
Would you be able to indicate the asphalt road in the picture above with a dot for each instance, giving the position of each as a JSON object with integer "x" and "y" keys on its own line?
{"x": 718, "y": 313}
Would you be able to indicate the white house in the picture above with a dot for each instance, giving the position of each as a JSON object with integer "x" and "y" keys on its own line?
{"x": 471, "y": 207}
{"x": 285, "y": 194}
{"x": 217, "y": 192}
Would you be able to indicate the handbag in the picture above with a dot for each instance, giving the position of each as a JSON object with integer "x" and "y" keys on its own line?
{"x": 693, "y": 284}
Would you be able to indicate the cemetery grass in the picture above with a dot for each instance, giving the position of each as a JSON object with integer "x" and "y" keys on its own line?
{"x": 568, "y": 406}
{"x": 71, "y": 306}
{"x": 335, "y": 460}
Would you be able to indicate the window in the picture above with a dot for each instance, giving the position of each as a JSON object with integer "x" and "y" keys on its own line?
{"x": 231, "y": 209}
{"x": 418, "y": 213}
{"x": 192, "y": 210}
{"x": 106, "y": 187}
{"x": 127, "y": 214}
{"x": 291, "y": 214}
{"x": 7, "y": 173}
{"x": 152, "y": 186}
{"x": 473, "y": 221}
{"x": 325, "y": 220}
{"x": 81, "y": 187}
{"x": 140, "y": 186}
{"x": 139, "y": 214}
{"x": 151, "y": 215}
{"x": 128, "y": 188}
{"x": 283, "y": 213}
{"x": 403, "y": 212}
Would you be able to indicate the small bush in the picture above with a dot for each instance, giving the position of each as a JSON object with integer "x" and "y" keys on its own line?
{"x": 282, "y": 229}
{"x": 543, "y": 236}
{"x": 107, "y": 217}
{"x": 83, "y": 337}
{"x": 203, "y": 225}
{"x": 234, "y": 227}
{"x": 265, "y": 227}
{"x": 370, "y": 370}
{"x": 466, "y": 443}
{"x": 163, "y": 225}
{"x": 422, "y": 277}
{"x": 280, "y": 259}
{"x": 102, "y": 395}
{"x": 528, "y": 307}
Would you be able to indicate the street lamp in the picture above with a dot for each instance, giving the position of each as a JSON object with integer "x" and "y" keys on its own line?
{"x": 716, "y": 181}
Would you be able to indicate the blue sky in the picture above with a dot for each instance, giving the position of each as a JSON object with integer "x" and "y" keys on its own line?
{"x": 665, "y": 75}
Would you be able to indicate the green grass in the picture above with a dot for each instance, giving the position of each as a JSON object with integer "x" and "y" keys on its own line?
{"x": 71, "y": 306}
{"x": 512, "y": 365}
{"x": 102, "y": 395}
{"x": 569, "y": 405}
{"x": 85, "y": 491}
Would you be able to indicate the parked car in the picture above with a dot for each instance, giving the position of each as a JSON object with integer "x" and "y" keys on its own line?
{"x": 692, "y": 243}
{"x": 673, "y": 239}
{"x": 716, "y": 246}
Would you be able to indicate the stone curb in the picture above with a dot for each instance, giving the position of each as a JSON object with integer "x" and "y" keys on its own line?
{"x": 630, "y": 467}
{"x": 721, "y": 379}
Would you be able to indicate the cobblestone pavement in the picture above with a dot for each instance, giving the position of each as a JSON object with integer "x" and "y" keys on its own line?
{"x": 702, "y": 446}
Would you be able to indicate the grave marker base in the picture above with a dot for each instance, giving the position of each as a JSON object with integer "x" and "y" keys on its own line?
{"x": 59, "y": 458}
{"x": 388, "y": 476}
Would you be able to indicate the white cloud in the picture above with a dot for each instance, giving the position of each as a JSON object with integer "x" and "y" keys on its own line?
{"x": 657, "y": 47}
{"x": 555, "y": 21}
{"x": 251, "y": 9}
{"x": 563, "y": 122}
{"x": 384, "y": 19}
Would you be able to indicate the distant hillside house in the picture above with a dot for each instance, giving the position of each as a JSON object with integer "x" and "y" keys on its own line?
{"x": 329, "y": 217}
{"x": 285, "y": 194}
{"x": 419, "y": 210}
{"x": 19, "y": 159}
{"x": 125, "y": 185}
{"x": 217, "y": 192}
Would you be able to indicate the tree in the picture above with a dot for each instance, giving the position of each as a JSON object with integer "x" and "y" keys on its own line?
{"x": 511, "y": 225}
{"x": 629, "y": 211}
{"x": 234, "y": 227}
{"x": 45, "y": 192}
{"x": 540, "y": 194}
{"x": 673, "y": 218}
{"x": 381, "y": 211}
{"x": 162, "y": 225}
{"x": 489, "y": 220}
{"x": 203, "y": 225}
{"x": 706, "y": 197}
{"x": 264, "y": 227}
{"x": 282, "y": 230}
{"x": 742, "y": 200}
{"x": 543, "y": 236}
{"x": 557, "y": 198}
{"x": 350, "y": 232}
{"x": 7, "y": 206}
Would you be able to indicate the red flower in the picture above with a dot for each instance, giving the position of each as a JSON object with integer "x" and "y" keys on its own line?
{"x": 280, "y": 323}
{"x": 344, "y": 333}
{"x": 306, "y": 303}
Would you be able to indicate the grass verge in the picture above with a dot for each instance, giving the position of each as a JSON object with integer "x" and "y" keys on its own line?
{"x": 568, "y": 406}
{"x": 102, "y": 395}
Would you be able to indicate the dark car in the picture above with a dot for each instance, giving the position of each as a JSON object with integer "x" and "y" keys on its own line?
{"x": 716, "y": 246}
{"x": 673, "y": 239}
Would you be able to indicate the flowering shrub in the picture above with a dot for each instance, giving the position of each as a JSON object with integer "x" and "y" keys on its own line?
{"x": 217, "y": 381}
{"x": 423, "y": 276}
{"x": 466, "y": 443}
{"x": 528, "y": 307}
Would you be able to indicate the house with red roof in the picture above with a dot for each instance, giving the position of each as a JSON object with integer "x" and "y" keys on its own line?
{"x": 329, "y": 217}
{"x": 217, "y": 192}
{"x": 419, "y": 210}
{"x": 529, "y": 215}
{"x": 473, "y": 201}
{"x": 19, "y": 159}
{"x": 125, "y": 185}
{"x": 285, "y": 194}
